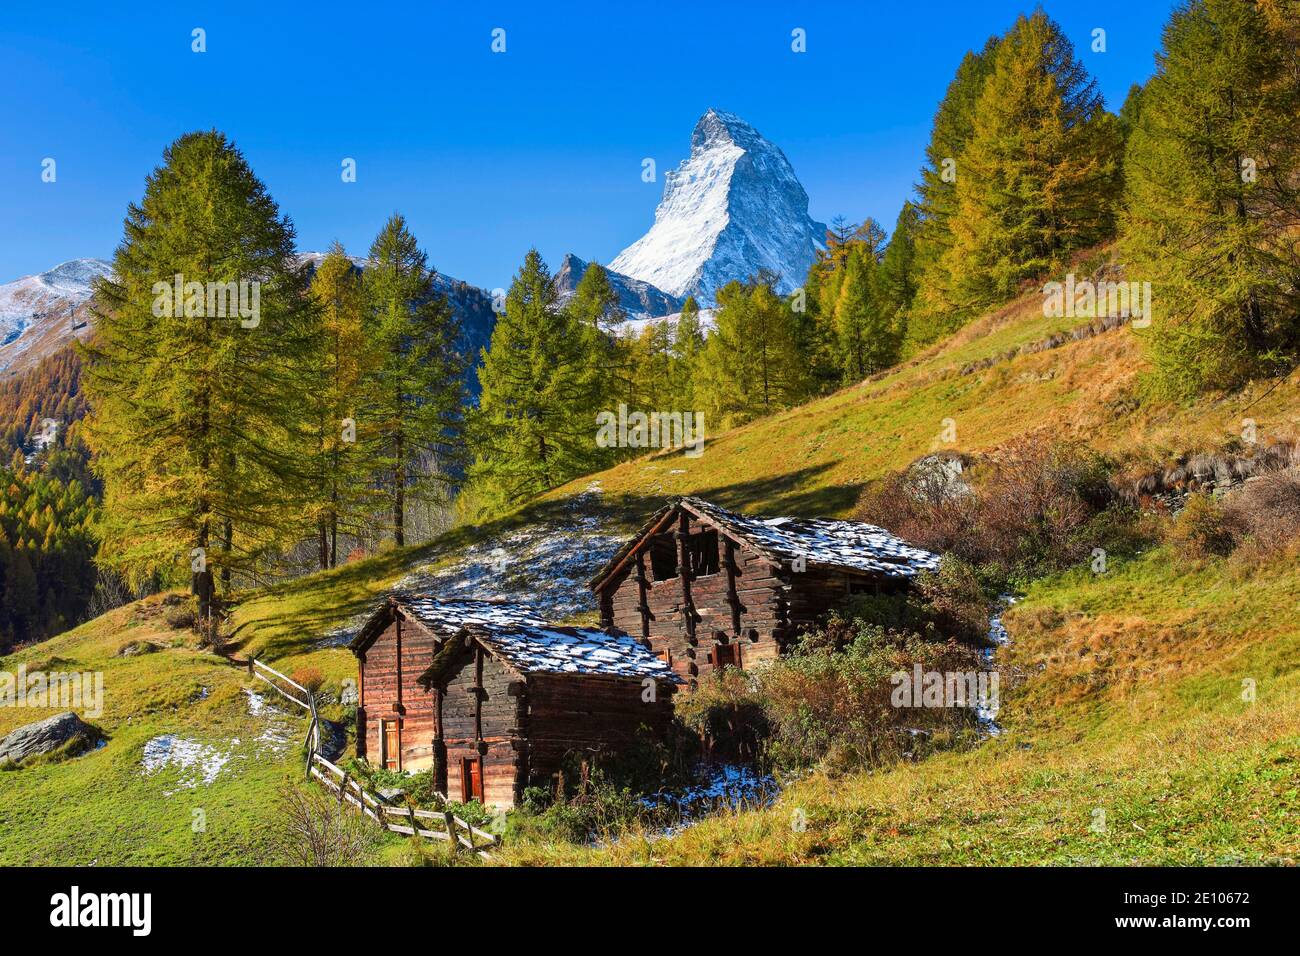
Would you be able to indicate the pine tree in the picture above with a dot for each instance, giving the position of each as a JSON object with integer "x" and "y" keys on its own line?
{"x": 751, "y": 365}
{"x": 953, "y": 127}
{"x": 688, "y": 343}
{"x": 414, "y": 420}
{"x": 197, "y": 417}
{"x": 346, "y": 361}
{"x": 1038, "y": 178}
{"x": 1213, "y": 205}
{"x": 533, "y": 428}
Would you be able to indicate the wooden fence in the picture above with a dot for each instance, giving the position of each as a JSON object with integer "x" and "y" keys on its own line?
{"x": 439, "y": 824}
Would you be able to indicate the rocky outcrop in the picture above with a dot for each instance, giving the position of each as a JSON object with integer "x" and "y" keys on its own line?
{"x": 47, "y": 736}
{"x": 636, "y": 299}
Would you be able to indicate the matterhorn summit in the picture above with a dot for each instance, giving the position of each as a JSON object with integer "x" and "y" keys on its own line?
{"x": 734, "y": 207}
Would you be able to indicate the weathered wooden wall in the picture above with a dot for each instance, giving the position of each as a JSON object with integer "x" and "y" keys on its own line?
{"x": 488, "y": 729}
{"x": 751, "y": 601}
{"x": 588, "y": 716}
{"x": 688, "y": 621}
{"x": 388, "y": 672}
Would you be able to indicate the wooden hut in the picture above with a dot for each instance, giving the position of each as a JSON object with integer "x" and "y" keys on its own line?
{"x": 494, "y": 699}
{"x": 708, "y": 588}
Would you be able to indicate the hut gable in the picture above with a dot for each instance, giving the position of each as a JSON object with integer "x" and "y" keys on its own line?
{"x": 708, "y": 588}
{"x": 394, "y": 718}
{"x": 509, "y": 696}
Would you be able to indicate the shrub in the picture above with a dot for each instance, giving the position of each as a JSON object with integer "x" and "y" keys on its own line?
{"x": 1031, "y": 510}
{"x": 309, "y": 677}
{"x": 313, "y": 830}
{"x": 1266, "y": 512}
{"x": 1204, "y": 529}
{"x": 596, "y": 809}
{"x": 836, "y": 708}
{"x": 727, "y": 715}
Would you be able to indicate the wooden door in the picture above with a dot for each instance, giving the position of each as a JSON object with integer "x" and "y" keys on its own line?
{"x": 392, "y": 744}
{"x": 471, "y": 779}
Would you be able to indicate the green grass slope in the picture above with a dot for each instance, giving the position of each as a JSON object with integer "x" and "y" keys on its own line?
{"x": 1130, "y": 702}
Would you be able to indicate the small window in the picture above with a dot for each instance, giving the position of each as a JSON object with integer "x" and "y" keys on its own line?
{"x": 726, "y": 655}
{"x": 471, "y": 779}
{"x": 663, "y": 557}
{"x": 702, "y": 553}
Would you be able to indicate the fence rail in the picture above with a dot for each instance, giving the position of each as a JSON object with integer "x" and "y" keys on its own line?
{"x": 444, "y": 825}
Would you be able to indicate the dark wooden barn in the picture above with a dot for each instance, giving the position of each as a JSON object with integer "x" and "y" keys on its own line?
{"x": 708, "y": 588}
{"x": 493, "y": 699}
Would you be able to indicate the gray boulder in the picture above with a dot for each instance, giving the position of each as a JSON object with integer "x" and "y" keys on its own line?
{"x": 44, "y": 736}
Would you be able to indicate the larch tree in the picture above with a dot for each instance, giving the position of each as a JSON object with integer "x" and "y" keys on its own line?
{"x": 534, "y": 426}
{"x": 1039, "y": 177}
{"x": 347, "y": 358}
{"x": 952, "y": 129}
{"x": 688, "y": 343}
{"x": 1213, "y": 195}
{"x": 751, "y": 364}
{"x": 413, "y": 422}
{"x": 609, "y": 371}
{"x": 203, "y": 333}
{"x": 865, "y": 339}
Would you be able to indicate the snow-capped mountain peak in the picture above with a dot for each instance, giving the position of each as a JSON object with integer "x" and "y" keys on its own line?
{"x": 41, "y": 312}
{"x": 734, "y": 207}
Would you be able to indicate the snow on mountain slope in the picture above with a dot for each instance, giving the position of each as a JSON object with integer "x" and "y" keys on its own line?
{"x": 732, "y": 208}
{"x": 637, "y": 299}
{"x": 41, "y": 313}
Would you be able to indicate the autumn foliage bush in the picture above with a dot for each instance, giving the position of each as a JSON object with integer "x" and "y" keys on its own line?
{"x": 1034, "y": 508}
{"x": 829, "y": 702}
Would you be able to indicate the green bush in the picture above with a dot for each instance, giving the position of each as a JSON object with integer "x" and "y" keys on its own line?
{"x": 835, "y": 708}
{"x": 598, "y": 809}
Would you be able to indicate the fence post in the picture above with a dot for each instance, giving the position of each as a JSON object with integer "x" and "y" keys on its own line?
{"x": 449, "y": 820}
{"x": 252, "y": 660}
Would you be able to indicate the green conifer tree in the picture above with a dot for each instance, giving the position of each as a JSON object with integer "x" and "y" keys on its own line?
{"x": 1039, "y": 177}
{"x": 413, "y": 424}
{"x": 533, "y": 428}
{"x": 197, "y": 421}
{"x": 347, "y": 359}
{"x": 1213, "y": 207}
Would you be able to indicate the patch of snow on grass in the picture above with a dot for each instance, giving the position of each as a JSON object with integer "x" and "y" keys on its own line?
{"x": 198, "y": 763}
{"x": 279, "y": 733}
{"x": 728, "y": 787}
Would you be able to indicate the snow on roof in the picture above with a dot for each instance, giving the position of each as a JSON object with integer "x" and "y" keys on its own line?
{"x": 850, "y": 545}
{"x": 531, "y": 645}
{"x": 844, "y": 544}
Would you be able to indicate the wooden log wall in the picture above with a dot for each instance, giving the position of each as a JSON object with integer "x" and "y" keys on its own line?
{"x": 388, "y": 674}
{"x": 741, "y": 603}
{"x": 480, "y": 719}
{"x": 587, "y": 715}
{"x": 752, "y": 601}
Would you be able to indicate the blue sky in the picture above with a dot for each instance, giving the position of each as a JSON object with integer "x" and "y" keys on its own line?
{"x": 486, "y": 154}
